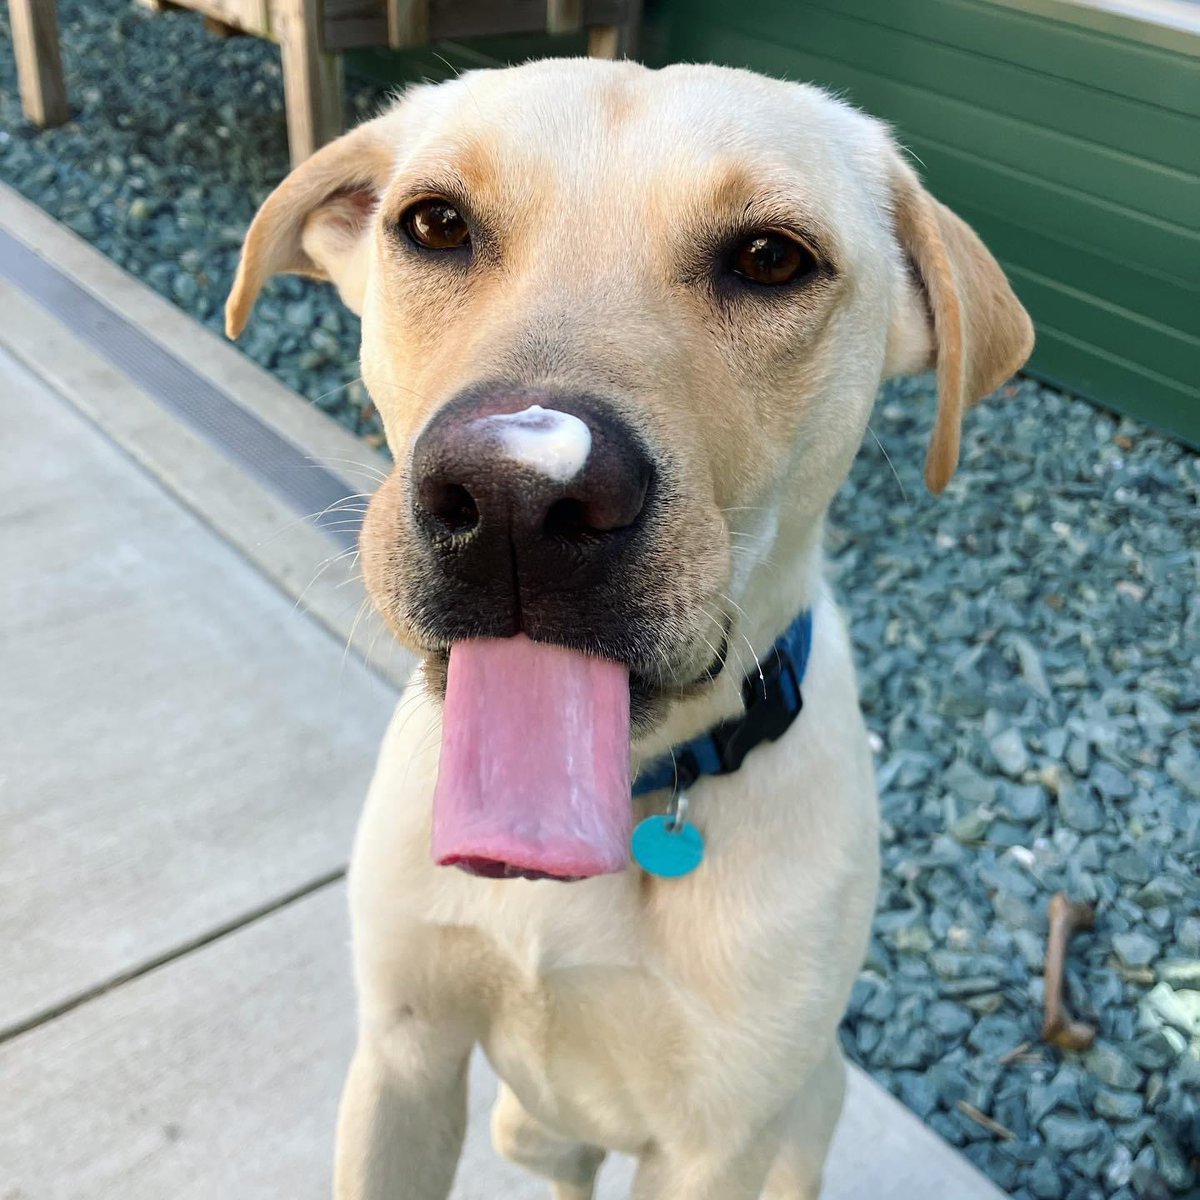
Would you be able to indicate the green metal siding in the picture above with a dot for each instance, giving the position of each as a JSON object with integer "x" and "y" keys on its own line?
{"x": 1069, "y": 138}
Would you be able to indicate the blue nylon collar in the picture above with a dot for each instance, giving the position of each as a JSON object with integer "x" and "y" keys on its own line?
{"x": 773, "y": 701}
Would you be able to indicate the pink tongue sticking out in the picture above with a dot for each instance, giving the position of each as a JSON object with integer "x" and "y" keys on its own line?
{"x": 534, "y": 774}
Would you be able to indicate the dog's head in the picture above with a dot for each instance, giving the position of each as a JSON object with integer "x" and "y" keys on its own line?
{"x": 624, "y": 329}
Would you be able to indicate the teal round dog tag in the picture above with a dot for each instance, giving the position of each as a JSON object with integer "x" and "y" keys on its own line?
{"x": 664, "y": 846}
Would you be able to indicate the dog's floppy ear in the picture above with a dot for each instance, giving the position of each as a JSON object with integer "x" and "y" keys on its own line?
{"x": 973, "y": 329}
{"x": 316, "y": 221}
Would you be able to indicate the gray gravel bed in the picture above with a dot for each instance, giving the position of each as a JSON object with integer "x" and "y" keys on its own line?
{"x": 1028, "y": 649}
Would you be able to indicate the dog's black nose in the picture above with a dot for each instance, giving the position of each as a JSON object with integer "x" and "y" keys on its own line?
{"x": 528, "y": 492}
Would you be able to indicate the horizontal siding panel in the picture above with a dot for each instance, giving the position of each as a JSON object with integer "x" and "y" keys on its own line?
{"x": 1046, "y": 207}
{"x": 1158, "y": 191}
{"x": 1170, "y": 354}
{"x": 1165, "y": 301}
{"x": 1123, "y": 235}
{"x": 1053, "y": 211}
{"x": 1143, "y": 130}
{"x": 1082, "y": 367}
{"x": 1160, "y": 77}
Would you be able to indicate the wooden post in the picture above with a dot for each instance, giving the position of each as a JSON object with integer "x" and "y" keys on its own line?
{"x": 39, "y": 62}
{"x": 312, "y": 79}
{"x": 617, "y": 41}
{"x": 564, "y": 16}
{"x": 604, "y": 41}
{"x": 408, "y": 23}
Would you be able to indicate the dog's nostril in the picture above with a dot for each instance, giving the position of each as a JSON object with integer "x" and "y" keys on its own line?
{"x": 602, "y": 511}
{"x": 452, "y": 505}
{"x": 568, "y": 521}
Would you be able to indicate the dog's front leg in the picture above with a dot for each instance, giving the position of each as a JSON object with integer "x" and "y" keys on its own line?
{"x": 403, "y": 1114}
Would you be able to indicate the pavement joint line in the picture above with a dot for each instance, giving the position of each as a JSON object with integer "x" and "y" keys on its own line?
{"x": 217, "y": 933}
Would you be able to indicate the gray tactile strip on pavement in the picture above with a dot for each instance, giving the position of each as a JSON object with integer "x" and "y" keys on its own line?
{"x": 271, "y": 459}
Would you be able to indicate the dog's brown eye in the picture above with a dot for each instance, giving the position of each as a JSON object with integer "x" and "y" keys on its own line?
{"x": 436, "y": 225}
{"x": 772, "y": 259}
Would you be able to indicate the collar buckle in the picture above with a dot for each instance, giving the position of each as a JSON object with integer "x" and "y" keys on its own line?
{"x": 773, "y": 701}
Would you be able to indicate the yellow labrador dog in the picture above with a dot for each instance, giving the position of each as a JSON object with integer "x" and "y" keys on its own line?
{"x": 624, "y": 328}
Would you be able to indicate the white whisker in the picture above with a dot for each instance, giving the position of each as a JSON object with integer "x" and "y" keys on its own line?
{"x": 754, "y": 653}
{"x": 364, "y": 604}
{"x": 340, "y": 388}
{"x": 322, "y": 567}
{"x": 889, "y": 461}
{"x": 373, "y": 470}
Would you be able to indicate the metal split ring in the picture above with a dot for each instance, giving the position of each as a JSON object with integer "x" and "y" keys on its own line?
{"x": 677, "y": 812}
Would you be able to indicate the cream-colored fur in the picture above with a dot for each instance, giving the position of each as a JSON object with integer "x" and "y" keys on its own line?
{"x": 690, "y": 1023}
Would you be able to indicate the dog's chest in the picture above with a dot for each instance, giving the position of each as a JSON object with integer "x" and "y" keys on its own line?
{"x": 613, "y": 1015}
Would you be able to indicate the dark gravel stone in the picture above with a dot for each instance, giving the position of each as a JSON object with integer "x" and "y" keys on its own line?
{"x": 1093, "y": 1162}
{"x": 1009, "y": 750}
{"x": 1152, "y": 1051}
{"x": 1078, "y": 810}
{"x": 949, "y": 1020}
{"x": 868, "y": 1037}
{"x": 1183, "y": 766}
{"x": 1017, "y": 913}
{"x": 973, "y": 826}
{"x": 947, "y": 1128}
{"x": 1006, "y": 834}
{"x": 1131, "y": 866}
{"x": 950, "y": 1083}
{"x": 1135, "y": 949}
{"x": 1174, "y": 1169}
{"x": 1188, "y": 935}
{"x": 1063, "y": 1091}
{"x": 1119, "y": 1170}
{"x": 1069, "y": 1135}
{"x": 1110, "y": 1065}
{"x": 1031, "y": 947}
{"x": 1079, "y": 756}
{"x": 880, "y": 1003}
{"x": 918, "y": 1092}
{"x": 1145, "y": 1180}
{"x": 1118, "y": 1106}
{"x": 964, "y": 781}
{"x": 996, "y": 1162}
{"x": 901, "y": 1048}
{"x": 1110, "y": 782}
{"x": 1023, "y": 803}
{"x": 1163, "y": 890}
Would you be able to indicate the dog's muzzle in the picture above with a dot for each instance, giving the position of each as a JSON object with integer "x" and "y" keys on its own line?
{"x": 532, "y": 508}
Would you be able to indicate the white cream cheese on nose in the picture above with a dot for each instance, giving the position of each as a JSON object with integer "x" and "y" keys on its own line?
{"x": 555, "y": 444}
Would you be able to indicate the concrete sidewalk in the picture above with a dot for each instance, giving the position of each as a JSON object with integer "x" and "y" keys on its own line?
{"x": 183, "y": 751}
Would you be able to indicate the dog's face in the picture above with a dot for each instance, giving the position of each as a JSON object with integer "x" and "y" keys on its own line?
{"x": 698, "y": 276}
